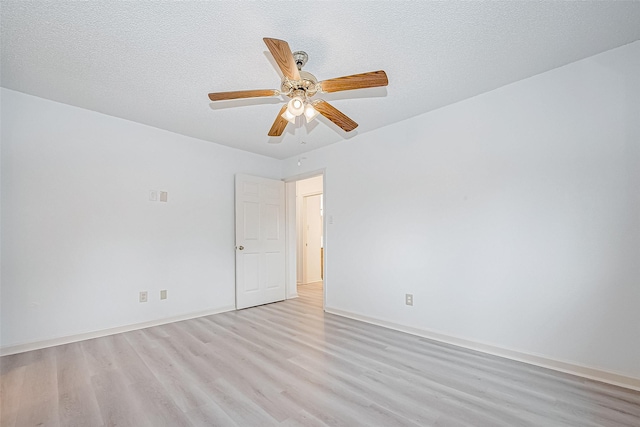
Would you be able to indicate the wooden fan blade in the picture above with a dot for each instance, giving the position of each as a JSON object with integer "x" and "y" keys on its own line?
{"x": 278, "y": 126}
{"x": 335, "y": 115}
{"x": 283, "y": 56}
{"x": 356, "y": 81}
{"x": 221, "y": 96}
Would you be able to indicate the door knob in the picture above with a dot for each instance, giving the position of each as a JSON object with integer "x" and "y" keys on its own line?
{"x": 241, "y": 248}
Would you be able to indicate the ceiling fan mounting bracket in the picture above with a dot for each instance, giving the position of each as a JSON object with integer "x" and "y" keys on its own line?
{"x": 300, "y": 58}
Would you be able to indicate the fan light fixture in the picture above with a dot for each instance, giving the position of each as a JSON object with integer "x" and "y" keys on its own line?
{"x": 291, "y": 118}
{"x": 295, "y": 108}
{"x": 310, "y": 113}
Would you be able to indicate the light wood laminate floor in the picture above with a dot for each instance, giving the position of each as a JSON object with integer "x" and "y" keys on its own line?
{"x": 290, "y": 364}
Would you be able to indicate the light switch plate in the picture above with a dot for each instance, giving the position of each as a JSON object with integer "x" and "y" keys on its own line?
{"x": 163, "y": 196}
{"x": 408, "y": 299}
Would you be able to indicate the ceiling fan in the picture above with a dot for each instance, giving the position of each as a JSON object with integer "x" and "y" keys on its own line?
{"x": 301, "y": 86}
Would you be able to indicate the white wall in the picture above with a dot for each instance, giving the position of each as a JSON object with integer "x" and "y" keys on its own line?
{"x": 513, "y": 217}
{"x": 80, "y": 237}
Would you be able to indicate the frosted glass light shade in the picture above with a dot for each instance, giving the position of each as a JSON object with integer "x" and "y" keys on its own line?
{"x": 296, "y": 106}
{"x": 310, "y": 113}
{"x": 291, "y": 118}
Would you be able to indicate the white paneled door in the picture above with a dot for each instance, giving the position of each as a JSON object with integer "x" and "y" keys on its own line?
{"x": 260, "y": 241}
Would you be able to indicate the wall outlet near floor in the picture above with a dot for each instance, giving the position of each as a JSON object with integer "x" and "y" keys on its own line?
{"x": 163, "y": 294}
{"x": 143, "y": 296}
{"x": 153, "y": 195}
{"x": 408, "y": 299}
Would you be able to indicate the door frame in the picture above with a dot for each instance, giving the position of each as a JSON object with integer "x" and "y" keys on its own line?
{"x": 291, "y": 282}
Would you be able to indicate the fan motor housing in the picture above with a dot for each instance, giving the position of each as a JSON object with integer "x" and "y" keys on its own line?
{"x": 308, "y": 84}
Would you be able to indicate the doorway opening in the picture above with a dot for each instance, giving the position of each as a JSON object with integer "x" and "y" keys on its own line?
{"x": 309, "y": 234}
{"x": 307, "y": 243}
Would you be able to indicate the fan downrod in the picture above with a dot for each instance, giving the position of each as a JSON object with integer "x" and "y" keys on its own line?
{"x": 300, "y": 58}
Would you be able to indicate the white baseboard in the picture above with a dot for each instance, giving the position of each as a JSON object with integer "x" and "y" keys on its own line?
{"x": 20, "y": 348}
{"x": 557, "y": 365}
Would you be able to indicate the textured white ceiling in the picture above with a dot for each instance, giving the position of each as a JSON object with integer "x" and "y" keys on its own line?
{"x": 155, "y": 62}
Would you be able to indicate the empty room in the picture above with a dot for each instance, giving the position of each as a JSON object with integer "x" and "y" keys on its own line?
{"x": 380, "y": 213}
